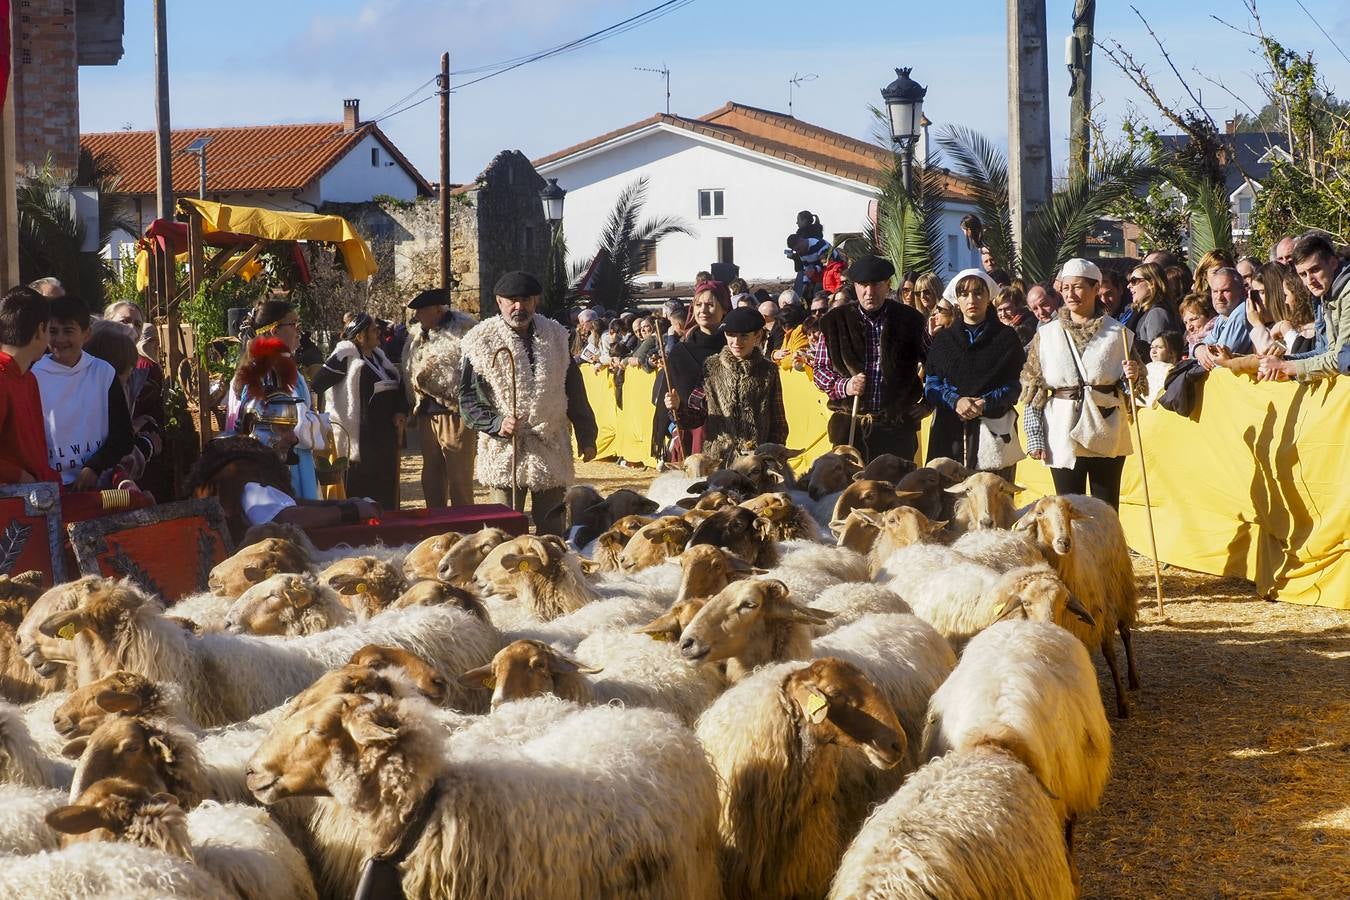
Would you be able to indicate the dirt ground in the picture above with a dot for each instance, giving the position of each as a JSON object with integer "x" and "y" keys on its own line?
{"x": 1232, "y": 776}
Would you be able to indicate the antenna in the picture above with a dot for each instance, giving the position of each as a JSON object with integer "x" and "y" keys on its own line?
{"x": 795, "y": 82}
{"x": 665, "y": 71}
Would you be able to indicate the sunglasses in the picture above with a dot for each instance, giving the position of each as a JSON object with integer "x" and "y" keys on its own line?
{"x": 1134, "y": 279}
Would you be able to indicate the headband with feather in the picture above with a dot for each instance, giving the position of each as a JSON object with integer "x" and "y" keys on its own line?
{"x": 268, "y": 366}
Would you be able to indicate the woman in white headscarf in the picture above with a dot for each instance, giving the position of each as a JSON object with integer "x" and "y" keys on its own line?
{"x": 1073, "y": 390}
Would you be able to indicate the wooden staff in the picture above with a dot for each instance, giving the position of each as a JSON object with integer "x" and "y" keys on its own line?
{"x": 853, "y": 420}
{"x": 674, "y": 415}
{"x": 515, "y": 432}
{"x": 1143, "y": 470}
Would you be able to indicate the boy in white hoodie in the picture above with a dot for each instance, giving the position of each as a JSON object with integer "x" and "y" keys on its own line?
{"x": 84, "y": 409}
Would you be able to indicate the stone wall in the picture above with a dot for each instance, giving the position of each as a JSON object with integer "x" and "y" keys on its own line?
{"x": 512, "y": 231}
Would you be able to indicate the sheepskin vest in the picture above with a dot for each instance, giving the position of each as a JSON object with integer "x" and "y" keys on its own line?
{"x": 1073, "y": 428}
{"x": 432, "y": 362}
{"x": 738, "y": 394}
{"x": 848, "y": 341}
{"x": 545, "y": 445}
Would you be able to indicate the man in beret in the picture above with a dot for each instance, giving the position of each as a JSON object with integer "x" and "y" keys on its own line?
{"x": 872, "y": 349}
{"x": 527, "y": 401}
{"x": 431, "y": 365}
{"x": 741, "y": 400}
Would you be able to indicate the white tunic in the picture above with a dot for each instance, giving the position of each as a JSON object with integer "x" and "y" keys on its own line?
{"x": 1074, "y": 428}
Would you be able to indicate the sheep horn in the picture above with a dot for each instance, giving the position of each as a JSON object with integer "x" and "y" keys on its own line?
{"x": 1075, "y": 606}
{"x": 956, "y": 488}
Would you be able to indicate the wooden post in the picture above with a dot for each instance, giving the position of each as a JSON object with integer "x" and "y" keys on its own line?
{"x": 443, "y": 83}
{"x": 196, "y": 262}
{"x": 1028, "y": 113}
{"x": 9, "y": 205}
{"x": 163, "y": 152}
{"x": 1080, "y": 94}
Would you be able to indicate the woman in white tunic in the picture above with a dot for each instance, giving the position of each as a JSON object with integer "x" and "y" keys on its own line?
{"x": 1076, "y": 412}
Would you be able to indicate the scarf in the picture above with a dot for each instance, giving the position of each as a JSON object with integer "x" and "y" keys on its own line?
{"x": 344, "y": 398}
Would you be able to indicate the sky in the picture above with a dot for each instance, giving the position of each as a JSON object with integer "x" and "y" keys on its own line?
{"x": 257, "y": 62}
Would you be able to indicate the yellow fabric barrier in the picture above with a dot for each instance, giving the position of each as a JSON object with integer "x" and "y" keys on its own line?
{"x": 1256, "y": 488}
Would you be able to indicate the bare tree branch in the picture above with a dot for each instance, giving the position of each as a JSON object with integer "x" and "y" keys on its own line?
{"x": 1199, "y": 104}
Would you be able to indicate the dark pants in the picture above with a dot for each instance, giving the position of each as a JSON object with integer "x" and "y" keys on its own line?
{"x": 872, "y": 441}
{"x": 1104, "y": 473}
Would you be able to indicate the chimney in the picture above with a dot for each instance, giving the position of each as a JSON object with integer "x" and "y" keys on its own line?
{"x": 1230, "y": 126}
{"x": 351, "y": 115}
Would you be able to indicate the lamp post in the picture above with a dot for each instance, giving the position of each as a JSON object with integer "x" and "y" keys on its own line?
{"x": 198, "y": 149}
{"x": 552, "y": 197}
{"x": 904, "y": 105}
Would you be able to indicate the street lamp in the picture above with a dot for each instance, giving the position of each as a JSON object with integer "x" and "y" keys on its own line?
{"x": 904, "y": 105}
{"x": 198, "y": 148}
{"x": 552, "y": 196}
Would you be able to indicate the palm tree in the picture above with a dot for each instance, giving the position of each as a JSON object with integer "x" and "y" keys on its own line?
{"x": 622, "y": 243}
{"x": 1211, "y": 217}
{"x": 908, "y": 231}
{"x": 985, "y": 167}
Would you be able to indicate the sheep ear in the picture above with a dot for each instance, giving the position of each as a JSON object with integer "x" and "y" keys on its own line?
{"x": 1075, "y": 606}
{"x": 31, "y": 578}
{"x": 687, "y": 502}
{"x": 773, "y": 589}
{"x": 934, "y": 526}
{"x": 372, "y": 727}
{"x": 1012, "y": 488}
{"x": 663, "y": 628}
{"x": 1010, "y": 606}
{"x": 516, "y": 562}
{"x": 258, "y": 573}
{"x": 563, "y": 665}
{"x": 302, "y": 599}
{"x": 480, "y": 677}
{"x": 806, "y": 615}
{"x": 764, "y": 527}
{"x": 740, "y": 567}
{"x": 65, "y": 624}
{"x": 908, "y": 495}
{"x": 554, "y": 542}
{"x": 956, "y": 488}
{"x": 78, "y": 819}
{"x": 817, "y": 706}
{"x": 114, "y": 701}
{"x": 75, "y": 749}
{"x": 647, "y": 506}
{"x": 162, "y": 747}
{"x": 589, "y": 566}
{"x": 697, "y": 487}
{"x": 1026, "y": 522}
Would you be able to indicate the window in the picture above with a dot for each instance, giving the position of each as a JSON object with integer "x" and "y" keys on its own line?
{"x": 725, "y": 253}
{"x": 952, "y": 244}
{"x": 710, "y": 203}
{"x": 645, "y": 252}
{"x": 374, "y": 156}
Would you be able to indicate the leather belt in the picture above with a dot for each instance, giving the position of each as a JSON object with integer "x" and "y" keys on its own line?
{"x": 1076, "y": 393}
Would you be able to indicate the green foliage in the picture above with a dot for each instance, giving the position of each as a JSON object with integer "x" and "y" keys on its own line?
{"x": 1160, "y": 212}
{"x": 50, "y": 236}
{"x": 977, "y": 159}
{"x": 1210, "y": 216}
{"x": 620, "y": 241}
{"x": 554, "y": 301}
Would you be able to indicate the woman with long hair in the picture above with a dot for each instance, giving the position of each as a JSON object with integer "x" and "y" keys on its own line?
{"x": 927, "y": 293}
{"x": 1214, "y": 259}
{"x": 702, "y": 339}
{"x": 1153, "y": 310}
{"x": 365, "y": 396}
{"x": 1280, "y": 312}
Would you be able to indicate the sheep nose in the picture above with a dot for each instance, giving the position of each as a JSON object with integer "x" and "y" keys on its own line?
{"x": 692, "y": 650}
{"x": 986, "y": 522}
{"x": 1062, "y": 546}
{"x": 64, "y": 725}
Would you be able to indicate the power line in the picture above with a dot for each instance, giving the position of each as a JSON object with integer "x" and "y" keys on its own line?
{"x": 1323, "y": 30}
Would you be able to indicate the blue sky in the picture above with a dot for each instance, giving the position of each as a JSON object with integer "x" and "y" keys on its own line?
{"x": 252, "y": 62}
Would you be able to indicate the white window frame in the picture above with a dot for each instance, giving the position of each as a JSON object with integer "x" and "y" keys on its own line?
{"x": 714, "y": 194}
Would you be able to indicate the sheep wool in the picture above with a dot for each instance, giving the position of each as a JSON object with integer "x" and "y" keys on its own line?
{"x": 23, "y": 819}
{"x": 102, "y": 869}
{"x": 974, "y": 824}
{"x": 545, "y": 447}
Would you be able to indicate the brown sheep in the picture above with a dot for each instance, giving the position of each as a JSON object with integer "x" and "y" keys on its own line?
{"x": 885, "y": 467}
{"x": 543, "y": 575}
{"x": 19, "y": 683}
{"x": 147, "y": 751}
{"x": 742, "y": 532}
{"x": 790, "y": 521}
{"x": 120, "y": 692}
{"x": 528, "y": 668}
{"x": 858, "y": 532}
{"x": 422, "y": 674}
{"x": 833, "y": 471}
{"x": 232, "y": 576}
{"x": 984, "y": 501}
{"x": 668, "y": 626}
{"x": 460, "y": 562}
{"x": 750, "y": 623}
{"x": 288, "y": 605}
{"x": 609, "y": 545}
{"x": 706, "y": 569}
{"x": 654, "y": 543}
{"x": 431, "y": 592}
{"x": 115, "y": 808}
{"x": 875, "y": 495}
{"x": 709, "y": 501}
{"x": 424, "y": 560}
{"x": 367, "y": 585}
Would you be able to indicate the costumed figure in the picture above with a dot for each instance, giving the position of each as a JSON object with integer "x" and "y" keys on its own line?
{"x": 432, "y": 360}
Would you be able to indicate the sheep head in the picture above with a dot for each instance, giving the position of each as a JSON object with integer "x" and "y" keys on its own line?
{"x": 365, "y": 584}
{"x": 734, "y": 484}
{"x": 831, "y": 472}
{"x": 432, "y": 592}
{"x": 293, "y": 533}
{"x": 463, "y": 559}
{"x": 986, "y": 501}
{"x": 928, "y": 484}
{"x": 903, "y": 526}
{"x": 1050, "y": 521}
{"x": 708, "y": 502}
{"x": 706, "y": 569}
{"x": 255, "y": 563}
{"x": 348, "y": 679}
{"x": 48, "y": 656}
{"x": 951, "y": 471}
{"x": 285, "y": 604}
{"x": 1038, "y": 594}
{"x": 138, "y": 749}
{"x": 767, "y": 471}
{"x": 17, "y": 595}
{"x": 621, "y": 503}
{"x": 524, "y": 669}
{"x": 120, "y": 809}
{"x": 576, "y": 502}
{"x": 739, "y": 614}
{"x": 103, "y": 607}
{"x": 837, "y": 704}
{"x": 530, "y": 555}
{"x": 858, "y": 531}
{"x": 877, "y": 495}
{"x": 120, "y": 692}
{"x": 428, "y": 681}
{"x": 885, "y": 467}
{"x": 424, "y": 560}
{"x": 739, "y": 530}
{"x": 668, "y": 626}
{"x": 654, "y": 543}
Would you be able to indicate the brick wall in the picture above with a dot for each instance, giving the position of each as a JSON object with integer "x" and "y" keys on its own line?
{"x": 46, "y": 84}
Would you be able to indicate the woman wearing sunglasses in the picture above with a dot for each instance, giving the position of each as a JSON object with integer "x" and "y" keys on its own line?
{"x": 1154, "y": 313}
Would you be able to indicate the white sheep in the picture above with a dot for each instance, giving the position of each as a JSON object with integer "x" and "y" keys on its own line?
{"x": 850, "y": 601}
{"x": 23, "y": 819}
{"x": 596, "y": 802}
{"x": 105, "y": 870}
{"x": 288, "y": 605}
{"x": 970, "y": 824}
{"x": 1082, "y": 538}
{"x": 207, "y": 610}
{"x": 1030, "y": 688}
{"x": 22, "y": 760}
{"x": 777, "y": 740}
{"x": 984, "y": 500}
{"x": 1000, "y": 550}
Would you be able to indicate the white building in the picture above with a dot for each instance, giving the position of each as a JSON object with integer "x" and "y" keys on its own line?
{"x": 738, "y": 176}
{"x": 293, "y": 168}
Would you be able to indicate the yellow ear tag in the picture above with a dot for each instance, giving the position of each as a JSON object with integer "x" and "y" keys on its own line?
{"x": 660, "y": 636}
{"x": 817, "y": 706}
{"x": 361, "y": 587}
{"x": 524, "y": 566}
{"x": 490, "y": 683}
{"x": 67, "y": 631}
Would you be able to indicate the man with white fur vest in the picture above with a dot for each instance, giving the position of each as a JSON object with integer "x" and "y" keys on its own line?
{"x": 548, "y": 394}
{"x": 431, "y": 365}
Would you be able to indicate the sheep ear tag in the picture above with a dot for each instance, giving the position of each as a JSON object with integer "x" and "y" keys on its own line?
{"x": 523, "y": 566}
{"x": 817, "y": 707}
{"x": 490, "y": 683}
{"x": 362, "y": 587}
{"x": 67, "y": 631}
{"x": 659, "y": 635}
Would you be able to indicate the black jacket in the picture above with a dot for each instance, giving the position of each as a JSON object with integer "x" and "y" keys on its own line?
{"x": 902, "y": 350}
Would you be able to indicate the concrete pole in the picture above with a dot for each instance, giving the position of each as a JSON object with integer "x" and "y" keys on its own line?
{"x": 9, "y": 205}
{"x": 1080, "y": 96}
{"x": 443, "y": 83}
{"x": 163, "y": 154}
{"x": 1028, "y": 113}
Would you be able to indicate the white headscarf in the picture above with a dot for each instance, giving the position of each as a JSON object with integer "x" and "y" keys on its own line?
{"x": 949, "y": 292}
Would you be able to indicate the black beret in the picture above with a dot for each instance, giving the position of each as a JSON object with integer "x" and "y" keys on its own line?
{"x": 514, "y": 285}
{"x": 743, "y": 320}
{"x": 429, "y": 297}
{"x": 868, "y": 269}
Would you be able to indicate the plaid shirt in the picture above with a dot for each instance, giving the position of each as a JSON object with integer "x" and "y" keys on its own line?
{"x": 832, "y": 383}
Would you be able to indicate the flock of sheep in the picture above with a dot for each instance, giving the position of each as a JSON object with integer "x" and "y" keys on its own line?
{"x": 874, "y": 683}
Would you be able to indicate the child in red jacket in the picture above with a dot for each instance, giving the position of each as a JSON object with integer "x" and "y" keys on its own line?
{"x": 23, "y": 340}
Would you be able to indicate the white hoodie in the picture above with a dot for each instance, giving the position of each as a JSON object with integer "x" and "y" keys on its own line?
{"x": 74, "y": 410}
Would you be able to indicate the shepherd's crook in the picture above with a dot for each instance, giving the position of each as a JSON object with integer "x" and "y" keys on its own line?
{"x": 853, "y": 420}
{"x": 515, "y": 432}
{"x": 1143, "y": 470}
{"x": 679, "y": 436}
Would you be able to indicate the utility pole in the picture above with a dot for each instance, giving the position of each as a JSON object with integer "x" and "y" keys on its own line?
{"x": 443, "y": 84}
{"x": 1028, "y": 113}
{"x": 163, "y": 157}
{"x": 1078, "y": 57}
